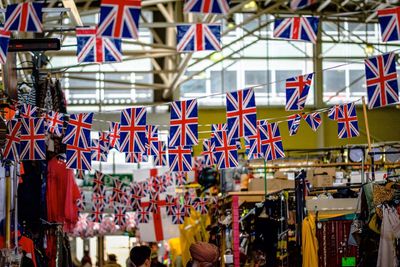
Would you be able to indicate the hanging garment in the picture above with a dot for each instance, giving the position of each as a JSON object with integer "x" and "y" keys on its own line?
{"x": 309, "y": 242}
{"x": 390, "y": 230}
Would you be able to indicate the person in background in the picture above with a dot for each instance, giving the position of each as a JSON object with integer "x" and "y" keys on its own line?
{"x": 86, "y": 260}
{"x": 203, "y": 255}
{"x": 112, "y": 261}
{"x": 154, "y": 260}
{"x": 140, "y": 256}
{"x": 26, "y": 261}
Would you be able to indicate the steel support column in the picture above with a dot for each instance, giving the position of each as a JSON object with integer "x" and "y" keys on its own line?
{"x": 319, "y": 81}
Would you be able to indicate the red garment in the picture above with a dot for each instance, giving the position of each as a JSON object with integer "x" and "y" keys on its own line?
{"x": 51, "y": 250}
{"x": 27, "y": 245}
{"x": 61, "y": 194}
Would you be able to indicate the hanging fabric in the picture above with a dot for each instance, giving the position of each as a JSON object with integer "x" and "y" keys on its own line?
{"x": 390, "y": 230}
{"x": 309, "y": 242}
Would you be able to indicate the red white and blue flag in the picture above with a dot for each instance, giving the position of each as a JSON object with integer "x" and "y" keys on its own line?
{"x": 184, "y": 123}
{"x": 225, "y": 151}
{"x": 294, "y": 124}
{"x": 98, "y": 182}
{"x": 253, "y": 144}
{"x": 348, "y": 121}
{"x": 78, "y": 130}
{"x": 152, "y": 139}
{"x": 119, "y": 18}
{"x": 32, "y": 139}
{"x": 118, "y": 192}
{"x": 201, "y": 205}
{"x": 272, "y": 141}
{"x": 27, "y": 111}
{"x": 132, "y": 130}
{"x": 297, "y": 89}
{"x": 333, "y": 112}
{"x": 114, "y": 135}
{"x": 93, "y": 48}
{"x": 180, "y": 159}
{"x": 314, "y": 120}
{"x": 153, "y": 203}
{"x": 389, "y": 20}
{"x": 24, "y": 17}
{"x": 180, "y": 178}
{"x": 81, "y": 201}
{"x": 120, "y": 216}
{"x": 241, "y": 113}
{"x": 55, "y": 122}
{"x": 198, "y": 37}
{"x": 160, "y": 158}
{"x": 4, "y": 41}
{"x": 299, "y": 4}
{"x": 100, "y": 148}
{"x": 99, "y": 198}
{"x": 207, "y": 6}
{"x": 381, "y": 76}
{"x": 178, "y": 214}
{"x": 97, "y": 213}
{"x": 143, "y": 215}
{"x": 79, "y": 158}
{"x": 170, "y": 203}
{"x": 135, "y": 157}
{"x": 136, "y": 196}
{"x": 12, "y": 146}
{"x": 298, "y": 28}
{"x": 224, "y": 127}
{"x": 208, "y": 152}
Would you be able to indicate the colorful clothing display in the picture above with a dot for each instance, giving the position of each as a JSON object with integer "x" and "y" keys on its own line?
{"x": 309, "y": 242}
{"x": 390, "y": 230}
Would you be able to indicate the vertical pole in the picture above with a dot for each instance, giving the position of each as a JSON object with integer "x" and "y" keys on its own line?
{"x": 8, "y": 207}
{"x": 368, "y": 137}
{"x": 265, "y": 178}
{"x": 100, "y": 250}
{"x": 319, "y": 82}
{"x": 15, "y": 187}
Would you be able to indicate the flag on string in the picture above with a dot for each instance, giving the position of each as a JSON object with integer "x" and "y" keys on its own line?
{"x": 314, "y": 120}
{"x": 297, "y": 28}
{"x": 118, "y": 192}
{"x": 24, "y": 17}
{"x": 152, "y": 206}
{"x": 170, "y": 203}
{"x": 180, "y": 178}
{"x": 98, "y": 182}
{"x": 99, "y": 152}
{"x": 4, "y": 41}
{"x": 207, "y": 6}
{"x": 120, "y": 216}
{"x": 143, "y": 215}
{"x": 208, "y": 152}
{"x": 184, "y": 123}
{"x": 381, "y": 76}
{"x": 187, "y": 204}
{"x": 224, "y": 127}
{"x": 297, "y": 89}
{"x": 133, "y": 130}
{"x": 77, "y": 133}
{"x": 333, "y": 112}
{"x": 160, "y": 158}
{"x": 97, "y": 213}
{"x": 198, "y": 37}
{"x": 93, "y": 48}
{"x": 32, "y": 139}
{"x": 178, "y": 214}
{"x": 347, "y": 121}
{"x": 79, "y": 158}
{"x": 201, "y": 205}
{"x": 155, "y": 183}
{"x": 114, "y": 135}
{"x": 99, "y": 198}
{"x": 167, "y": 179}
{"x": 27, "y": 111}
{"x": 294, "y": 124}
{"x": 253, "y": 144}
{"x": 299, "y": 4}
{"x": 136, "y": 196}
{"x": 55, "y": 122}
{"x": 119, "y": 18}
{"x": 271, "y": 141}
{"x": 225, "y": 151}
{"x": 152, "y": 139}
{"x": 81, "y": 201}
{"x": 389, "y": 20}
{"x": 241, "y": 112}
{"x": 135, "y": 157}
{"x": 180, "y": 159}
{"x": 12, "y": 146}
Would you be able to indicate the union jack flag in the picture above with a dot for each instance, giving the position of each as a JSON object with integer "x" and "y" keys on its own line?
{"x": 120, "y": 216}
{"x": 143, "y": 215}
{"x": 314, "y": 120}
{"x": 225, "y": 151}
{"x": 136, "y": 196}
{"x": 55, "y": 122}
{"x": 161, "y": 158}
{"x": 298, "y": 28}
{"x": 201, "y": 205}
{"x": 389, "y": 20}
{"x": 93, "y": 48}
{"x": 32, "y": 139}
{"x": 27, "y": 111}
{"x": 100, "y": 198}
{"x": 198, "y": 37}
{"x": 180, "y": 178}
{"x": 294, "y": 124}
{"x": 333, "y": 112}
{"x": 79, "y": 158}
{"x": 97, "y": 213}
{"x": 114, "y": 135}
{"x": 4, "y": 40}
{"x": 100, "y": 148}
{"x": 118, "y": 192}
{"x": 253, "y": 144}
{"x": 207, "y": 6}
{"x": 297, "y": 89}
{"x": 152, "y": 139}
{"x": 133, "y": 130}
{"x": 272, "y": 142}
{"x": 241, "y": 112}
{"x": 81, "y": 202}
{"x": 224, "y": 127}
{"x": 184, "y": 123}
{"x": 187, "y": 204}
{"x": 12, "y": 147}
{"x": 135, "y": 157}
{"x": 178, "y": 214}
{"x": 153, "y": 202}
{"x": 98, "y": 182}
{"x": 119, "y": 18}
{"x": 24, "y": 17}
{"x": 167, "y": 179}
{"x": 180, "y": 159}
{"x": 170, "y": 203}
{"x": 382, "y": 85}
{"x": 144, "y": 188}
{"x": 347, "y": 121}
{"x": 208, "y": 152}
{"x": 155, "y": 184}
{"x": 299, "y": 4}
{"x": 78, "y": 130}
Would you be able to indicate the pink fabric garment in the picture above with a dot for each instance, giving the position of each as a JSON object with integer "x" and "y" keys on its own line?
{"x": 390, "y": 230}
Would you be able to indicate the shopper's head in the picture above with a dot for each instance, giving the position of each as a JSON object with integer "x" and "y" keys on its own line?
{"x": 153, "y": 246}
{"x": 140, "y": 256}
{"x": 112, "y": 258}
{"x": 204, "y": 254}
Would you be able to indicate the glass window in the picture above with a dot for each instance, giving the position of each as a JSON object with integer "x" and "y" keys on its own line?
{"x": 334, "y": 81}
{"x": 357, "y": 81}
{"x": 281, "y": 76}
{"x": 143, "y": 95}
{"x": 82, "y": 80}
{"x": 197, "y": 84}
{"x": 255, "y": 77}
{"x": 223, "y": 81}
